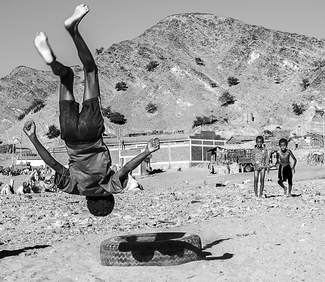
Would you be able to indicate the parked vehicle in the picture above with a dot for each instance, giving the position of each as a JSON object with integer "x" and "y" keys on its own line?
{"x": 236, "y": 153}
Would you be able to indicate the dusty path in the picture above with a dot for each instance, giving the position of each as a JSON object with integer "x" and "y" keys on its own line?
{"x": 51, "y": 237}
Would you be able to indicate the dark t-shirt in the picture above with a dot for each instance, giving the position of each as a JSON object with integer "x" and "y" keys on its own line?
{"x": 89, "y": 172}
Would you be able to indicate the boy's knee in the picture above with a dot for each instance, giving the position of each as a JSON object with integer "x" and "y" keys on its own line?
{"x": 67, "y": 74}
{"x": 91, "y": 68}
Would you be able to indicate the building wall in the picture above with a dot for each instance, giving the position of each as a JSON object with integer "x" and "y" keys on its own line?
{"x": 172, "y": 154}
{"x": 32, "y": 162}
{"x": 199, "y": 149}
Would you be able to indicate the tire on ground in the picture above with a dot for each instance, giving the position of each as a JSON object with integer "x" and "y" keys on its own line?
{"x": 151, "y": 249}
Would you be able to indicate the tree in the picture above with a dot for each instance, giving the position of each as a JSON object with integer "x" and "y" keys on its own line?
{"x": 226, "y": 99}
{"x": 121, "y": 86}
{"x": 53, "y": 132}
{"x": 232, "y": 81}
{"x": 152, "y": 65}
{"x": 151, "y": 108}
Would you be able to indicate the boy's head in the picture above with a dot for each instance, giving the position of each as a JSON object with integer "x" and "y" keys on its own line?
{"x": 259, "y": 141}
{"x": 283, "y": 143}
{"x": 100, "y": 205}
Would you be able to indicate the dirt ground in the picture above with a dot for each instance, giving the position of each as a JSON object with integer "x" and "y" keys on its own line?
{"x": 52, "y": 237}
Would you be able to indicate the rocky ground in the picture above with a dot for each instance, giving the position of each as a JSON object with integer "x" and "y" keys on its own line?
{"x": 52, "y": 236}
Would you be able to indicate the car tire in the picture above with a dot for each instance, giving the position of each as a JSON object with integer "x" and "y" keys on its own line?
{"x": 151, "y": 249}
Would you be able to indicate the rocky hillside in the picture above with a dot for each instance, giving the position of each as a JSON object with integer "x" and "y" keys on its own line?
{"x": 182, "y": 65}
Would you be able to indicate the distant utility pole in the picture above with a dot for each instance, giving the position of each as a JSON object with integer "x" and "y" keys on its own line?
{"x": 120, "y": 144}
{"x": 322, "y": 113}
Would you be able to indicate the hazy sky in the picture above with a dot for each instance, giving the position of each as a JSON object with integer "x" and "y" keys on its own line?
{"x": 111, "y": 21}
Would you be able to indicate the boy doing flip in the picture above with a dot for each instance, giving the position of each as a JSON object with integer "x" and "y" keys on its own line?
{"x": 286, "y": 170}
{"x": 89, "y": 171}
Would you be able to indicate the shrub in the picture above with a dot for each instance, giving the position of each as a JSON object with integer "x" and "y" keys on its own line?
{"x": 226, "y": 99}
{"x": 21, "y": 116}
{"x": 117, "y": 118}
{"x": 121, "y": 86}
{"x": 155, "y": 132}
{"x": 232, "y": 81}
{"x": 319, "y": 63}
{"x": 305, "y": 84}
{"x": 204, "y": 120}
{"x": 151, "y": 108}
{"x": 35, "y": 107}
{"x": 299, "y": 108}
{"x": 199, "y": 61}
{"x": 53, "y": 132}
{"x": 114, "y": 117}
{"x": 99, "y": 51}
{"x": 213, "y": 84}
{"x": 152, "y": 65}
{"x": 106, "y": 111}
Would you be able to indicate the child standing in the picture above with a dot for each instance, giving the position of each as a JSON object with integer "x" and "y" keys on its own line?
{"x": 89, "y": 171}
{"x": 261, "y": 164}
{"x": 286, "y": 171}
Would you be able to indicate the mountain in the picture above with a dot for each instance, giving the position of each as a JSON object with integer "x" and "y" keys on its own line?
{"x": 182, "y": 65}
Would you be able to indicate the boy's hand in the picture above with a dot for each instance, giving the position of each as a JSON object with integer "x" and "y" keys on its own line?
{"x": 153, "y": 145}
{"x": 29, "y": 128}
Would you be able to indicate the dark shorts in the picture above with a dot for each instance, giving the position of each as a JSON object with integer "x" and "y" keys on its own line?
{"x": 285, "y": 173}
{"x": 81, "y": 127}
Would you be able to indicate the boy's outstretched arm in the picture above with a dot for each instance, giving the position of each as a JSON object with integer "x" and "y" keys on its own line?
{"x": 294, "y": 161}
{"x": 30, "y": 131}
{"x": 152, "y": 146}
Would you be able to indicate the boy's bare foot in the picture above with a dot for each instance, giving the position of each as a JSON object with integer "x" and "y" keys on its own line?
{"x": 43, "y": 47}
{"x": 77, "y": 16}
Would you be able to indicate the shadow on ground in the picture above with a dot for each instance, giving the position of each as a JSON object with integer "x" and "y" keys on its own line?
{"x": 207, "y": 255}
{"x": 11, "y": 253}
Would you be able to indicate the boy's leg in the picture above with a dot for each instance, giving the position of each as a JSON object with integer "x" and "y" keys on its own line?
{"x": 289, "y": 183}
{"x": 65, "y": 73}
{"x": 69, "y": 109}
{"x": 256, "y": 174}
{"x": 280, "y": 179}
{"x": 90, "y": 69}
{"x": 262, "y": 179}
{"x": 283, "y": 186}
